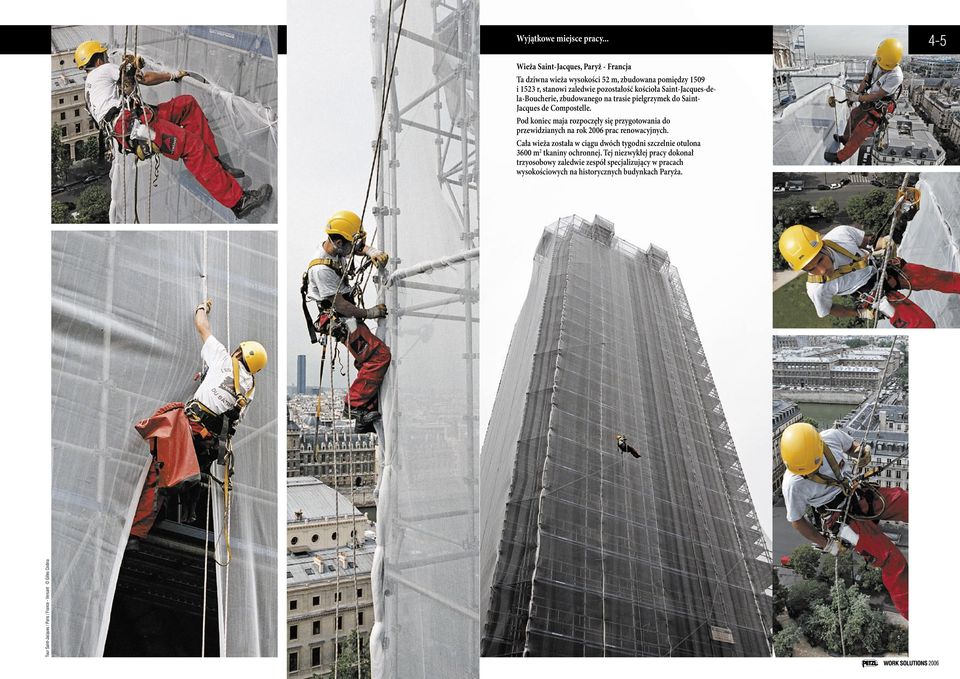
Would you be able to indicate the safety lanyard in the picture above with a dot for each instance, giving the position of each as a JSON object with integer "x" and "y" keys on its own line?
{"x": 855, "y": 265}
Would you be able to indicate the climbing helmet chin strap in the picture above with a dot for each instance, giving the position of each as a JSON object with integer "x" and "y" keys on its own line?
{"x": 243, "y": 397}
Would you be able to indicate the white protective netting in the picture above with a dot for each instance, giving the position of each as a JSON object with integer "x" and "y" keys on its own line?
{"x": 425, "y": 570}
{"x": 808, "y": 79}
{"x": 124, "y": 344}
{"x": 933, "y": 239}
{"x": 804, "y": 129}
{"x": 239, "y": 101}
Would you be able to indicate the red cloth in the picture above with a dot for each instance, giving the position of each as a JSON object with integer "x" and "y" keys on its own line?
{"x": 181, "y": 131}
{"x": 908, "y": 314}
{"x": 889, "y": 559}
{"x": 861, "y": 124}
{"x": 168, "y": 434}
{"x": 371, "y": 358}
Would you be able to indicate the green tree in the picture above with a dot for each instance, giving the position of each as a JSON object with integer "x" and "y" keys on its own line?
{"x": 785, "y": 640}
{"x": 59, "y": 213}
{"x": 847, "y": 568}
{"x": 855, "y": 342}
{"x": 791, "y": 211}
{"x": 804, "y": 595}
{"x": 94, "y": 206}
{"x": 347, "y": 661}
{"x": 827, "y": 207}
{"x": 871, "y": 210}
{"x": 805, "y": 560}
{"x": 871, "y": 580}
{"x": 863, "y": 628}
{"x": 88, "y": 148}
{"x": 816, "y": 425}
{"x": 898, "y": 638}
{"x": 59, "y": 155}
{"x": 779, "y": 594}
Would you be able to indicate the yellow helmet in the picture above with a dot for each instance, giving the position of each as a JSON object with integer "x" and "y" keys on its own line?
{"x": 347, "y": 224}
{"x": 86, "y": 51}
{"x": 801, "y": 448}
{"x": 254, "y": 356}
{"x": 799, "y": 244}
{"x": 889, "y": 54}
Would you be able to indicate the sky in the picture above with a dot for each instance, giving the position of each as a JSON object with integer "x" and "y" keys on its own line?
{"x": 850, "y": 40}
{"x": 331, "y": 105}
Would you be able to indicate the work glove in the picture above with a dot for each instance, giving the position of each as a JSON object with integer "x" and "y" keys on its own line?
{"x": 831, "y": 101}
{"x": 867, "y": 314}
{"x": 882, "y": 244}
{"x": 178, "y": 76}
{"x": 834, "y": 546}
{"x": 866, "y": 456}
{"x": 206, "y": 305}
{"x": 378, "y": 257}
{"x": 379, "y": 311}
{"x": 134, "y": 60}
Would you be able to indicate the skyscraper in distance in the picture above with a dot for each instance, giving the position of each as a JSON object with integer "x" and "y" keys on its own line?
{"x": 587, "y": 550}
{"x": 301, "y": 373}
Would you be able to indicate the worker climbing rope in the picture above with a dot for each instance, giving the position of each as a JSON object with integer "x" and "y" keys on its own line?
{"x": 177, "y": 128}
{"x": 331, "y": 283}
{"x": 875, "y": 100}
{"x": 846, "y": 261}
{"x": 827, "y": 472}
{"x": 624, "y": 446}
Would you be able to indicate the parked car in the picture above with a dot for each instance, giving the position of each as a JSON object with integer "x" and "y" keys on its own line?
{"x": 876, "y": 182}
{"x": 844, "y": 181}
{"x": 90, "y": 179}
{"x": 778, "y": 189}
{"x": 836, "y": 185}
{"x": 822, "y": 187}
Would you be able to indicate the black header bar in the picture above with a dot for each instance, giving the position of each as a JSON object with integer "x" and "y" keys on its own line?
{"x": 282, "y": 39}
{"x": 933, "y": 40}
{"x": 501, "y": 39}
{"x": 25, "y": 39}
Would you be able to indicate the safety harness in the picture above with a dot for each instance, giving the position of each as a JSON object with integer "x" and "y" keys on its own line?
{"x": 862, "y": 501}
{"x": 319, "y": 327}
{"x": 856, "y": 264}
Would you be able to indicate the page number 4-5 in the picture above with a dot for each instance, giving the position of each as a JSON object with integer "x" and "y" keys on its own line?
{"x": 936, "y": 41}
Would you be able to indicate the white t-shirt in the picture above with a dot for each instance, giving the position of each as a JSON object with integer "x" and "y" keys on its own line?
{"x": 100, "y": 90}
{"x": 888, "y": 81}
{"x": 800, "y": 493}
{"x": 821, "y": 294}
{"x": 322, "y": 281}
{"x": 216, "y": 391}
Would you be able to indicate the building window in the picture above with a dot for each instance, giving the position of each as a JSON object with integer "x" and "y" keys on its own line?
{"x": 76, "y": 97}
{"x": 294, "y": 540}
{"x": 333, "y": 535}
{"x": 63, "y": 115}
{"x": 76, "y": 128}
{"x": 76, "y": 112}
{"x": 292, "y": 662}
{"x": 360, "y": 592}
{"x": 61, "y": 100}
{"x": 293, "y": 632}
{"x": 359, "y": 617}
{"x": 339, "y": 596}
{"x": 315, "y": 656}
{"x": 339, "y": 622}
{"x": 90, "y": 125}
{"x": 316, "y": 601}
{"x": 314, "y": 538}
{"x": 316, "y": 627}
{"x": 63, "y": 131}
{"x": 293, "y": 604}
{"x": 898, "y": 474}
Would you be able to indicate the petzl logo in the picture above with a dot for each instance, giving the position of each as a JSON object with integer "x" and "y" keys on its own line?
{"x": 869, "y": 663}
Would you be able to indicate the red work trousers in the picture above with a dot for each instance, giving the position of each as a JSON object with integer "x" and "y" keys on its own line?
{"x": 861, "y": 124}
{"x": 371, "y": 359}
{"x": 181, "y": 132}
{"x": 908, "y": 314}
{"x": 873, "y": 541}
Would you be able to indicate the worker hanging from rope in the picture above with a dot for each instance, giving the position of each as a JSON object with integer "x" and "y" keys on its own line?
{"x": 226, "y": 388}
{"x": 625, "y": 447}
{"x": 875, "y": 98}
{"x": 846, "y": 261}
{"x": 177, "y": 129}
{"x": 328, "y": 283}
{"x": 822, "y": 475}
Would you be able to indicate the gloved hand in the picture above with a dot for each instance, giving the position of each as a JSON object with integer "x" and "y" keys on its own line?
{"x": 379, "y": 311}
{"x": 178, "y": 76}
{"x": 378, "y": 257}
{"x": 834, "y": 546}
{"x": 206, "y": 305}
{"x": 867, "y": 313}
{"x": 831, "y": 101}
{"x": 866, "y": 456}
{"x": 134, "y": 60}
{"x": 883, "y": 243}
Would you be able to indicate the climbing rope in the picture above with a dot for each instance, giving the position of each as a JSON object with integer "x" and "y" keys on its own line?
{"x": 336, "y": 502}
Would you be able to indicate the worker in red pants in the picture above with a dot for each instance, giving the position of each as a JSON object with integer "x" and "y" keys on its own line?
{"x": 839, "y": 263}
{"x": 820, "y": 467}
{"x": 875, "y": 98}
{"x": 327, "y": 284}
{"x": 177, "y": 128}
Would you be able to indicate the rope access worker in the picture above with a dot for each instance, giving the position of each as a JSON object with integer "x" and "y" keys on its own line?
{"x": 177, "y": 128}
{"x": 820, "y": 469}
{"x": 840, "y": 263}
{"x": 875, "y": 98}
{"x": 326, "y": 284}
{"x": 625, "y": 447}
{"x": 226, "y": 388}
